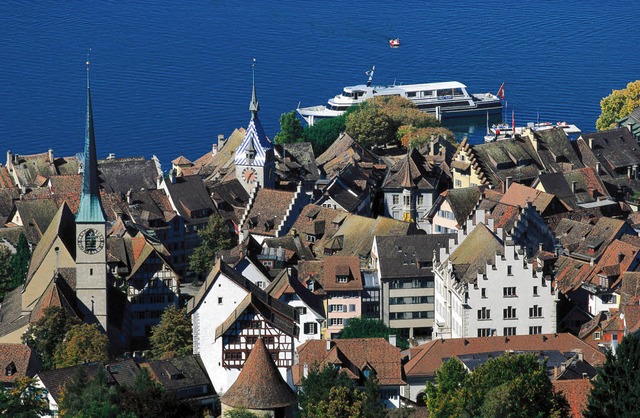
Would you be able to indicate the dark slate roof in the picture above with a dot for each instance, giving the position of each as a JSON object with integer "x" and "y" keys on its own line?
{"x": 296, "y": 162}
{"x": 348, "y": 198}
{"x": 463, "y": 201}
{"x": 472, "y": 256}
{"x": 179, "y": 373}
{"x": 55, "y": 380}
{"x": 410, "y": 256}
{"x": 36, "y": 216}
{"x": 191, "y": 199}
{"x": 555, "y": 150}
{"x": 510, "y": 158}
{"x": 122, "y": 174}
{"x": 412, "y": 171}
{"x": 149, "y": 208}
{"x": 259, "y": 385}
{"x": 230, "y": 198}
{"x": 11, "y": 316}
{"x": 614, "y": 148}
{"x": 293, "y": 246}
{"x": 342, "y": 152}
{"x": 124, "y": 372}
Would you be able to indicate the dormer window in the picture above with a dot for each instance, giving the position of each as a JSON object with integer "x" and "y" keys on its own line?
{"x": 366, "y": 373}
{"x": 342, "y": 279}
{"x": 11, "y": 369}
{"x": 311, "y": 285}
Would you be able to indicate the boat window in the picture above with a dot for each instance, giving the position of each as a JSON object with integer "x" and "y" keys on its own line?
{"x": 346, "y": 93}
{"x": 445, "y": 93}
{"x": 411, "y": 94}
{"x": 458, "y": 92}
{"x": 428, "y": 93}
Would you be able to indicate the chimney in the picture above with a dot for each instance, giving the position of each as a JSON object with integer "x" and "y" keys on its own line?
{"x": 9, "y": 158}
{"x": 574, "y": 185}
{"x": 50, "y": 155}
{"x": 172, "y": 176}
{"x": 432, "y": 146}
{"x": 392, "y": 340}
{"x": 328, "y": 345}
{"x": 507, "y": 183}
{"x": 591, "y": 143}
{"x": 539, "y": 246}
{"x": 221, "y": 141}
{"x": 629, "y": 172}
{"x": 130, "y": 197}
{"x": 305, "y": 370}
{"x": 598, "y": 167}
{"x": 580, "y": 356}
{"x": 214, "y": 150}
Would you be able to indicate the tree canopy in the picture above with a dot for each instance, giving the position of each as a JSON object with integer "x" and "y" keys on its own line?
{"x": 47, "y": 333}
{"x": 83, "y": 343}
{"x": 384, "y": 120}
{"x": 371, "y": 328}
{"x": 173, "y": 336}
{"x": 290, "y": 129}
{"x": 316, "y": 385}
{"x": 23, "y": 400}
{"x": 215, "y": 237}
{"x": 616, "y": 388}
{"x": 243, "y": 413}
{"x": 412, "y": 137}
{"x": 618, "y": 104}
{"x": 506, "y": 386}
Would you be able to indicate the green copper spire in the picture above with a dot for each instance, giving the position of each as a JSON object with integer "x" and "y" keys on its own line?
{"x": 254, "y": 106}
{"x": 90, "y": 210}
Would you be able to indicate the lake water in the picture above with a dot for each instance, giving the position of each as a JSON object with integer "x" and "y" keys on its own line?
{"x": 168, "y": 77}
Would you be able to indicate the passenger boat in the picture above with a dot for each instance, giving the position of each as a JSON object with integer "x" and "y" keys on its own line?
{"x": 444, "y": 99}
{"x": 394, "y": 42}
{"x": 506, "y": 129}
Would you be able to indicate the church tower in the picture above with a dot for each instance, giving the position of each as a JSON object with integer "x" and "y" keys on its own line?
{"x": 91, "y": 260}
{"x": 254, "y": 159}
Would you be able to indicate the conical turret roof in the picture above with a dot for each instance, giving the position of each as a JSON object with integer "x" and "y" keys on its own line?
{"x": 259, "y": 385}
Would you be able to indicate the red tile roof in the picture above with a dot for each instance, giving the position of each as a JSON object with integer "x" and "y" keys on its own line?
{"x": 352, "y": 355}
{"x": 342, "y": 266}
{"x": 430, "y": 356}
{"x": 576, "y": 392}
{"x": 268, "y": 211}
{"x": 18, "y": 355}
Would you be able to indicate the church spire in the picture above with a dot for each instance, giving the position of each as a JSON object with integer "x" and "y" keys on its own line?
{"x": 90, "y": 210}
{"x": 254, "y": 107}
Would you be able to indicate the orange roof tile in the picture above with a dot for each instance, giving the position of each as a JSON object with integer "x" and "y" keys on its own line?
{"x": 576, "y": 392}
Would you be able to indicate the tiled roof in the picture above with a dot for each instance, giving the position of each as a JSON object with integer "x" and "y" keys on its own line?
{"x": 230, "y": 198}
{"x": 618, "y": 257}
{"x": 55, "y": 380}
{"x": 123, "y": 174}
{"x": 259, "y": 384}
{"x": 181, "y": 160}
{"x": 588, "y": 186}
{"x": 191, "y": 199}
{"x": 463, "y": 201}
{"x": 16, "y": 360}
{"x": 473, "y": 255}
{"x": 178, "y": 373}
{"x": 630, "y": 288}
{"x": 352, "y": 355}
{"x": 311, "y": 270}
{"x": 214, "y": 166}
{"x": 268, "y": 211}
{"x": 428, "y": 357}
{"x": 410, "y": 256}
{"x": 519, "y": 195}
{"x": 289, "y": 284}
{"x": 571, "y": 273}
{"x": 613, "y": 148}
{"x": 586, "y": 240}
{"x": 343, "y": 151}
{"x": 576, "y": 392}
{"x": 342, "y": 266}
{"x": 36, "y": 216}
{"x": 555, "y": 150}
{"x": 501, "y": 159}
{"x": 412, "y": 171}
{"x": 6, "y": 182}
{"x": 505, "y": 216}
{"x": 298, "y": 161}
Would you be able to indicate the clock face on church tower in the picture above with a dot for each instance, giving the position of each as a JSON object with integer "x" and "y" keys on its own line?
{"x": 249, "y": 175}
{"x": 91, "y": 241}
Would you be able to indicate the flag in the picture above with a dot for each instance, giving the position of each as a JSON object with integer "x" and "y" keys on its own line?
{"x": 501, "y": 92}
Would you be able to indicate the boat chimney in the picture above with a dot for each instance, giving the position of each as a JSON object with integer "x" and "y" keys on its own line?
{"x": 573, "y": 186}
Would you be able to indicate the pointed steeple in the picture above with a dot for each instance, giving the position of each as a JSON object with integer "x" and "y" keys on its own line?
{"x": 254, "y": 107}
{"x": 90, "y": 210}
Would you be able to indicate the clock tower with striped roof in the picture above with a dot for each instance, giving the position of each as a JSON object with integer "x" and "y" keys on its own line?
{"x": 254, "y": 159}
{"x": 91, "y": 260}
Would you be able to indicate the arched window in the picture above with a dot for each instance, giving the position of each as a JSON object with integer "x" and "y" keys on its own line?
{"x": 90, "y": 242}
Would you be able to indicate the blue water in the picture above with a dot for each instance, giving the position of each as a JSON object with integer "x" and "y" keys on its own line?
{"x": 168, "y": 76}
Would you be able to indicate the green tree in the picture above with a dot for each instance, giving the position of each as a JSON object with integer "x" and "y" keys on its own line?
{"x": 324, "y": 132}
{"x": 370, "y": 126}
{"x": 616, "y": 388}
{"x": 243, "y": 413}
{"x": 372, "y": 406}
{"x": 290, "y": 129}
{"x": 6, "y": 278}
{"x": 371, "y": 328}
{"x": 441, "y": 396}
{"x": 507, "y": 386}
{"x": 83, "y": 343}
{"x": 20, "y": 262}
{"x": 23, "y": 400}
{"x": 618, "y": 104}
{"x": 84, "y": 397}
{"x": 412, "y": 137}
{"x": 173, "y": 336}
{"x": 315, "y": 388}
{"x": 44, "y": 335}
{"x": 215, "y": 237}
{"x": 343, "y": 402}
